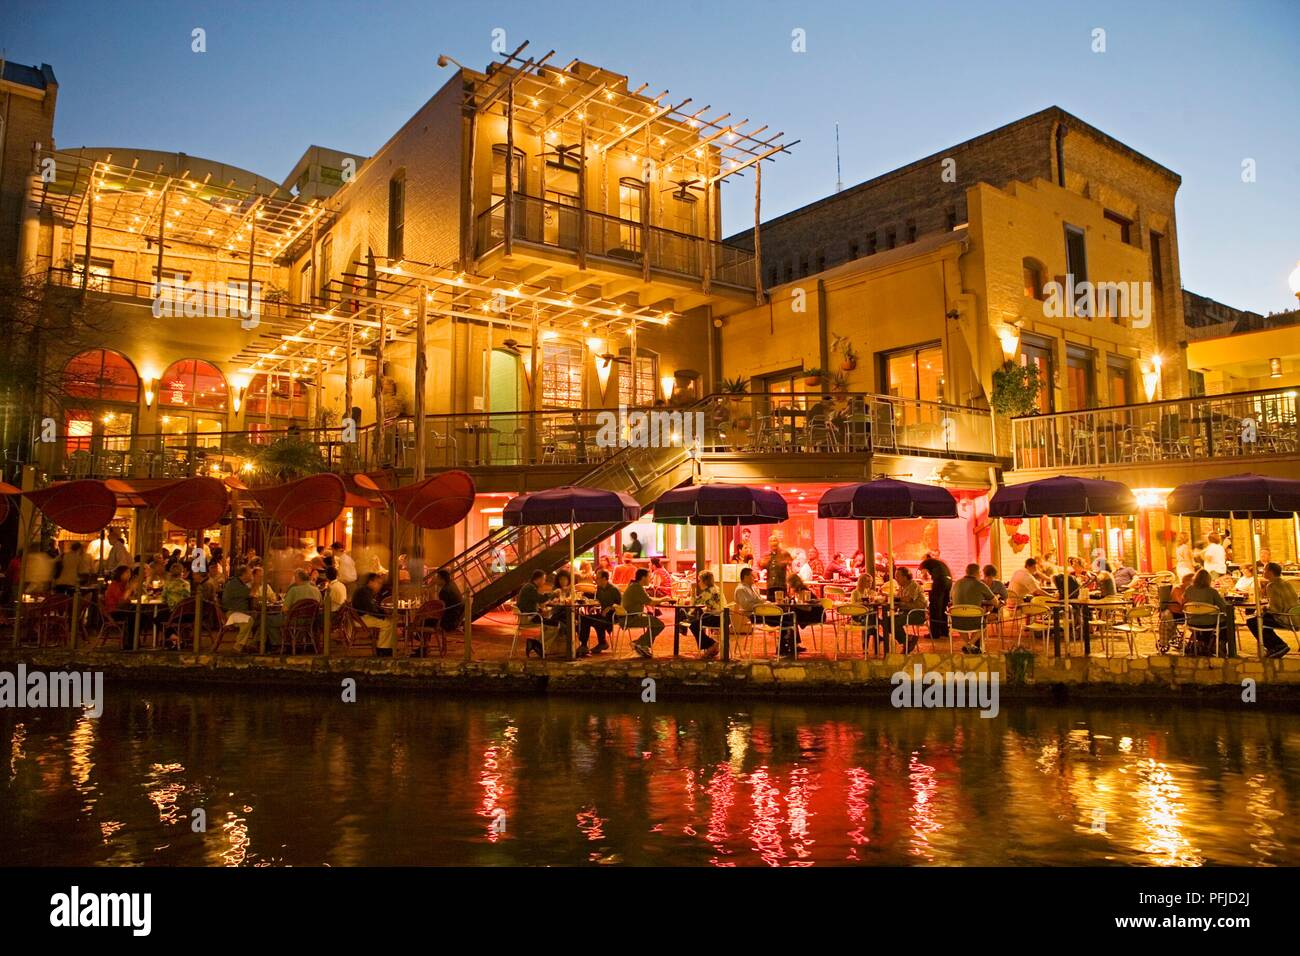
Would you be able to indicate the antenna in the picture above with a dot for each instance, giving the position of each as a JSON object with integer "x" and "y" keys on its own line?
{"x": 839, "y": 181}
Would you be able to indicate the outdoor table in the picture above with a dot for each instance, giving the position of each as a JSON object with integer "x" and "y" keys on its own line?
{"x": 579, "y": 431}
{"x": 149, "y": 607}
{"x": 792, "y": 413}
{"x": 680, "y": 620}
{"x": 477, "y": 432}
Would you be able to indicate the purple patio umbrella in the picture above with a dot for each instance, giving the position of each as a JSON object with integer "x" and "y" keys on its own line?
{"x": 719, "y": 505}
{"x": 1244, "y": 497}
{"x": 887, "y": 499}
{"x": 572, "y": 505}
{"x": 1064, "y": 496}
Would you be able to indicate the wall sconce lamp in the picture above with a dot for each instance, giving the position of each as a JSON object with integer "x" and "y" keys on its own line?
{"x": 604, "y": 362}
{"x": 1275, "y": 368}
{"x": 148, "y": 392}
{"x": 1151, "y": 378}
{"x": 666, "y": 383}
{"x": 1009, "y": 338}
{"x": 239, "y": 383}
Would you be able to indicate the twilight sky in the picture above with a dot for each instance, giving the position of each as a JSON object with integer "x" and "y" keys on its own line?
{"x": 1197, "y": 86}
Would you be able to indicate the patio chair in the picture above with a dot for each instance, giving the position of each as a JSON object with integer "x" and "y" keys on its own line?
{"x": 1201, "y": 621}
{"x": 1037, "y": 622}
{"x": 740, "y": 626}
{"x": 526, "y": 619}
{"x": 857, "y": 617}
{"x": 821, "y": 435}
{"x": 426, "y": 625}
{"x": 300, "y": 627}
{"x": 965, "y": 619}
{"x": 772, "y": 619}
{"x": 1137, "y": 620}
{"x": 916, "y": 624}
{"x": 624, "y": 623}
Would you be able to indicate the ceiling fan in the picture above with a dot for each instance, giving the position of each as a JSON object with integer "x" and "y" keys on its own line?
{"x": 565, "y": 156}
{"x": 682, "y": 192}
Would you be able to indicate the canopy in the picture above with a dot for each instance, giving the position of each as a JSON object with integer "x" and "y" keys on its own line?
{"x": 439, "y": 501}
{"x": 887, "y": 498}
{"x": 359, "y": 495}
{"x": 720, "y": 505}
{"x": 1063, "y": 497}
{"x": 83, "y": 506}
{"x": 1236, "y": 496}
{"x": 311, "y": 502}
{"x": 188, "y": 503}
{"x": 570, "y": 504}
{"x": 5, "y": 492}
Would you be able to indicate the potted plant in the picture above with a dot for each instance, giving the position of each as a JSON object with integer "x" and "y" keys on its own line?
{"x": 839, "y": 383}
{"x": 736, "y": 389}
{"x": 843, "y": 347}
{"x": 813, "y": 377}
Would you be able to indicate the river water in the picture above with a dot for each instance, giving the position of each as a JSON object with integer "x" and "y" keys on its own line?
{"x": 304, "y": 779}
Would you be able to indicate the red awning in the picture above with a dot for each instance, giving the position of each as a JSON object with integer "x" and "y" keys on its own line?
{"x": 308, "y": 503}
{"x": 5, "y": 492}
{"x": 82, "y": 507}
{"x": 439, "y": 501}
{"x": 189, "y": 503}
{"x": 360, "y": 496}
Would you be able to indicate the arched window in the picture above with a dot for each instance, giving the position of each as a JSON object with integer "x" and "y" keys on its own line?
{"x": 288, "y": 397}
{"x": 1034, "y": 276}
{"x": 647, "y": 377}
{"x": 193, "y": 383}
{"x": 101, "y": 375}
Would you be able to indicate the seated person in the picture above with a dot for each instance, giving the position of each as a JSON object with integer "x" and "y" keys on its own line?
{"x": 1026, "y": 582}
{"x": 530, "y": 601}
{"x": 301, "y": 590}
{"x": 969, "y": 590}
{"x": 599, "y": 621}
{"x": 453, "y": 613}
{"x": 837, "y": 568}
{"x": 816, "y": 566}
{"x": 709, "y": 596}
{"x": 994, "y": 584}
{"x": 366, "y": 602}
{"x": 1279, "y": 601}
{"x": 1246, "y": 583}
{"x": 909, "y": 597}
{"x": 638, "y": 604}
{"x": 335, "y": 589}
{"x": 1106, "y": 583}
{"x": 175, "y": 588}
{"x": 661, "y": 582}
{"x": 1202, "y": 591}
{"x": 1125, "y": 576}
{"x": 746, "y": 596}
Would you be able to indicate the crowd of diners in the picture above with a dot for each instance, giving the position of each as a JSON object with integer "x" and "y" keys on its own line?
{"x": 241, "y": 587}
{"x": 646, "y": 599}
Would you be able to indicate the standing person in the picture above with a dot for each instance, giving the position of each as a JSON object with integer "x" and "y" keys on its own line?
{"x": 599, "y": 621}
{"x": 632, "y": 546}
{"x": 68, "y": 568}
{"x": 1183, "y": 555}
{"x": 940, "y": 588}
{"x": 365, "y": 601}
{"x": 1279, "y": 599}
{"x": 638, "y": 603}
{"x": 777, "y": 567}
{"x": 118, "y": 554}
{"x": 334, "y": 589}
{"x": 1214, "y": 556}
{"x": 346, "y": 566}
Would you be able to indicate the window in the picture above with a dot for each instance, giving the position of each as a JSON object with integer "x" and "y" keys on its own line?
{"x": 911, "y": 230}
{"x": 891, "y": 238}
{"x": 101, "y": 375}
{"x": 192, "y": 383}
{"x": 396, "y": 215}
{"x": 803, "y": 266}
{"x": 871, "y": 243}
{"x": 561, "y": 375}
{"x": 771, "y": 276}
{"x": 101, "y": 272}
{"x": 915, "y": 372}
{"x": 821, "y": 261}
{"x": 631, "y": 206}
{"x": 497, "y": 204}
{"x": 1124, "y": 225}
{"x": 288, "y": 396}
{"x": 647, "y": 378}
{"x": 1080, "y": 389}
{"x": 1076, "y": 264}
{"x": 305, "y": 282}
{"x": 1038, "y": 351}
{"x": 1195, "y": 382}
{"x": 326, "y": 266}
{"x": 170, "y": 275}
{"x": 789, "y": 270}
{"x": 1157, "y": 260}
{"x": 952, "y": 218}
{"x": 1033, "y": 278}
{"x": 853, "y": 250}
{"x": 1119, "y": 376}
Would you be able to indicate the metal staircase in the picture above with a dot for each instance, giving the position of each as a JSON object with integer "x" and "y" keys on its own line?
{"x": 494, "y": 568}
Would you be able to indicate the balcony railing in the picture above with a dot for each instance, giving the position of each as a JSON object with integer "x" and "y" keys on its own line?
{"x": 554, "y": 224}
{"x": 147, "y": 291}
{"x": 1240, "y": 425}
{"x": 763, "y": 423}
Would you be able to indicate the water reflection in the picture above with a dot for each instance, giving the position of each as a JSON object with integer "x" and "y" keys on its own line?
{"x": 294, "y": 779}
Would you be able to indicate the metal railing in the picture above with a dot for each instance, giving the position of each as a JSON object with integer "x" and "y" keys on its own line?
{"x": 1237, "y": 425}
{"x": 554, "y": 224}
{"x": 761, "y": 423}
{"x": 147, "y": 290}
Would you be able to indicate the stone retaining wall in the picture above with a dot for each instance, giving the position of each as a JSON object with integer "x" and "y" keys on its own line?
{"x": 1160, "y": 677}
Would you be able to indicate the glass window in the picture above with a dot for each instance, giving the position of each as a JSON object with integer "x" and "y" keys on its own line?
{"x": 1038, "y": 351}
{"x": 1080, "y": 392}
{"x": 916, "y": 373}
{"x": 1119, "y": 380}
{"x": 1033, "y": 278}
{"x": 631, "y": 199}
{"x": 1076, "y": 260}
{"x": 326, "y": 266}
{"x": 101, "y": 273}
{"x": 647, "y": 378}
{"x": 101, "y": 375}
{"x": 192, "y": 383}
{"x": 561, "y": 375}
{"x": 396, "y": 214}
{"x": 288, "y": 396}
{"x": 305, "y": 283}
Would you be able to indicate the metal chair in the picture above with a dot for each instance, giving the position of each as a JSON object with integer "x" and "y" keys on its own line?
{"x": 1137, "y": 620}
{"x": 625, "y": 623}
{"x": 527, "y": 619}
{"x": 772, "y": 619}
{"x": 965, "y": 619}
{"x": 1201, "y": 620}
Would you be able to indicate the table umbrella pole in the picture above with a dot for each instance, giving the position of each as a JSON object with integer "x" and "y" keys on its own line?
{"x": 726, "y": 613}
{"x": 573, "y": 594}
{"x": 1254, "y": 574}
{"x": 1065, "y": 580}
{"x": 22, "y": 575}
{"x": 889, "y": 543}
{"x": 198, "y": 597}
{"x": 139, "y": 602}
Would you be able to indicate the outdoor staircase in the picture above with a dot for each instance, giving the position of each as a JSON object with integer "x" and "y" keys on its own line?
{"x": 497, "y": 566}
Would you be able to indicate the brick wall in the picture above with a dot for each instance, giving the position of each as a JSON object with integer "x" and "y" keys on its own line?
{"x": 27, "y": 121}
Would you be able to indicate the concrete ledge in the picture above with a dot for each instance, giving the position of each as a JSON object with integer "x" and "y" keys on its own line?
{"x": 1120, "y": 679}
